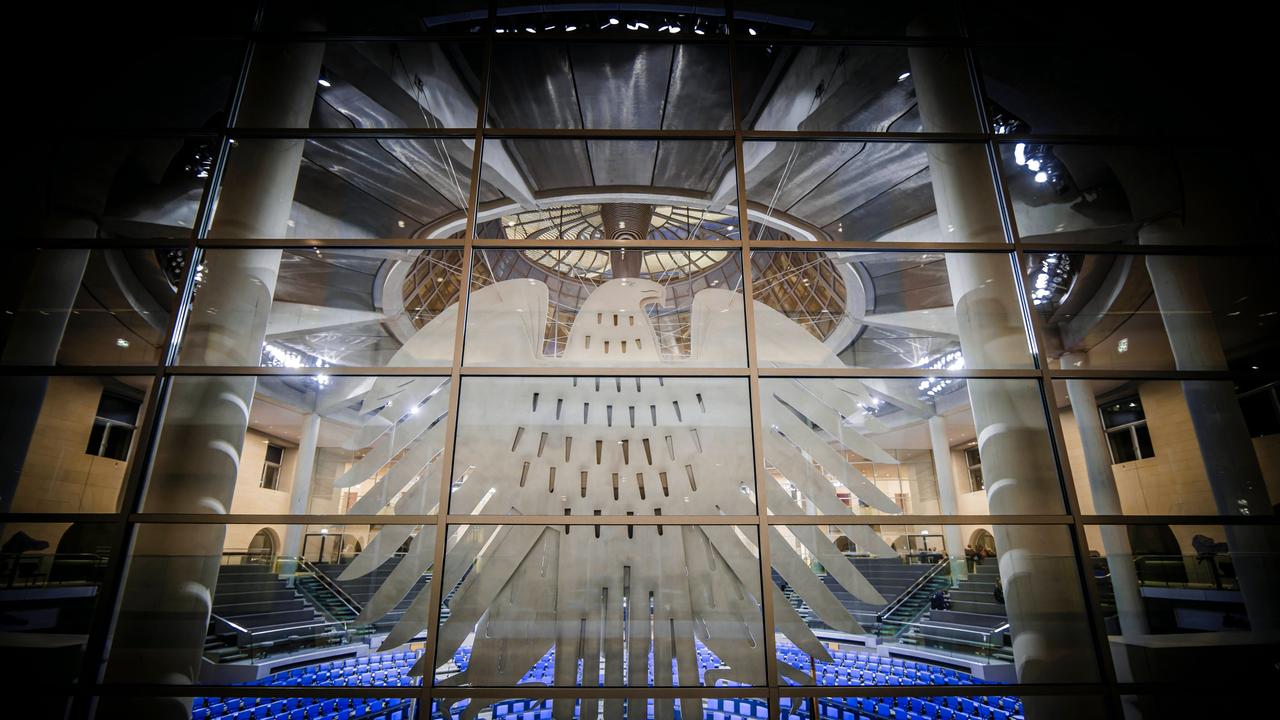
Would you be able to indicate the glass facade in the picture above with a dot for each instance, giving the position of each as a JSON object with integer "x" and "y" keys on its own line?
{"x": 627, "y": 360}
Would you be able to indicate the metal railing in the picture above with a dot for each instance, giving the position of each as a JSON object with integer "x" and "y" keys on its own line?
{"x": 1206, "y": 570}
{"x": 912, "y": 589}
{"x": 260, "y": 643}
{"x": 26, "y": 570}
{"x": 329, "y": 584}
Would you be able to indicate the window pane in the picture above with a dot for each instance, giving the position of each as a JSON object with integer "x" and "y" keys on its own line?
{"x": 614, "y": 85}
{"x": 54, "y": 455}
{"x": 845, "y": 446}
{"x": 1178, "y": 597}
{"x": 914, "y": 605}
{"x": 355, "y": 445}
{"x": 1122, "y": 448}
{"x": 1194, "y": 453}
{"x": 1121, "y": 412}
{"x": 344, "y": 188}
{"x": 363, "y": 85}
{"x": 870, "y": 191}
{"x": 607, "y": 190}
{"x": 847, "y": 88}
{"x": 595, "y": 308}
{"x": 1156, "y": 311}
{"x": 286, "y": 605}
{"x": 635, "y": 605}
{"x": 50, "y": 575}
{"x": 1153, "y": 195}
{"x": 603, "y": 446}
{"x": 318, "y": 308}
{"x": 89, "y": 307}
{"x": 930, "y": 311}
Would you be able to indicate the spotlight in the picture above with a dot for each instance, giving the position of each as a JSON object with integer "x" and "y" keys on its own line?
{"x": 904, "y": 76}
{"x": 613, "y": 21}
{"x": 531, "y": 30}
{"x": 323, "y": 81}
{"x": 751, "y": 31}
{"x": 570, "y": 28}
{"x": 1042, "y": 177}
{"x": 122, "y": 343}
{"x": 1020, "y": 153}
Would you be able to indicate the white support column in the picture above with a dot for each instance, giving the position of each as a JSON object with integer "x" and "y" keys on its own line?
{"x": 167, "y": 599}
{"x": 947, "y": 501}
{"x": 1230, "y": 461}
{"x": 1042, "y": 593}
{"x": 1106, "y": 501}
{"x": 300, "y": 494}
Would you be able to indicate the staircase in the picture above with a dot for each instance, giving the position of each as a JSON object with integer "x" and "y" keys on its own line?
{"x": 324, "y": 593}
{"x": 913, "y": 604}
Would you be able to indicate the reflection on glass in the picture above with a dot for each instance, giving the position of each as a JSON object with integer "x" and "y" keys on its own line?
{"x": 613, "y": 85}
{"x": 887, "y": 310}
{"x": 1155, "y": 311}
{"x": 103, "y": 187}
{"x": 1178, "y": 597}
{"x": 923, "y": 605}
{"x": 344, "y": 188}
{"x": 603, "y": 446}
{"x": 1157, "y": 195}
{"x": 90, "y": 307}
{"x": 607, "y": 190}
{"x": 344, "y": 598}
{"x": 868, "y": 191}
{"x": 50, "y": 575}
{"x": 68, "y": 441}
{"x": 628, "y": 308}
{"x": 857, "y": 89}
{"x": 318, "y": 308}
{"x": 843, "y": 446}
{"x": 374, "y": 85}
{"x": 607, "y": 605}
{"x": 1156, "y": 447}
{"x": 313, "y": 444}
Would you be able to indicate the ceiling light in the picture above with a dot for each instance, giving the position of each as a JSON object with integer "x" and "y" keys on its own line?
{"x": 675, "y": 28}
{"x": 500, "y": 31}
{"x": 531, "y": 30}
{"x": 642, "y": 25}
{"x": 613, "y": 21}
{"x": 323, "y": 80}
{"x": 400, "y": 223}
{"x": 122, "y": 343}
{"x": 1020, "y": 153}
{"x": 751, "y": 31}
{"x": 570, "y": 28}
{"x": 1042, "y": 177}
{"x": 904, "y": 76}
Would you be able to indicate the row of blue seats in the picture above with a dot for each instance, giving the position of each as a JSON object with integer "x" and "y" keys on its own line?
{"x": 301, "y": 709}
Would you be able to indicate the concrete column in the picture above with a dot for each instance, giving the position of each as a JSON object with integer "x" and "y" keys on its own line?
{"x": 947, "y": 502}
{"x": 1106, "y": 501}
{"x": 167, "y": 597}
{"x": 300, "y": 493}
{"x": 1041, "y": 583}
{"x": 35, "y": 334}
{"x": 1230, "y": 461}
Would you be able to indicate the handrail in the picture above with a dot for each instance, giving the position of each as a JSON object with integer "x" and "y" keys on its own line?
{"x": 233, "y": 626}
{"x": 911, "y": 590}
{"x": 332, "y": 586}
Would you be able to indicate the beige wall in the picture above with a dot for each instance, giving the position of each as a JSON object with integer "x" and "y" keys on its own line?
{"x": 1173, "y": 482}
{"x": 58, "y": 475}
